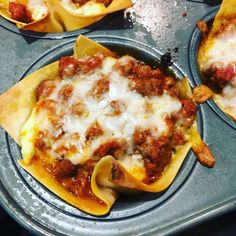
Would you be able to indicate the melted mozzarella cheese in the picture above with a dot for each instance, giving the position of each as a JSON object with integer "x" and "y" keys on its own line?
{"x": 134, "y": 115}
{"x": 220, "y": 50}
{"x": 228, "y": 97}
{"x": 38, "y": 8}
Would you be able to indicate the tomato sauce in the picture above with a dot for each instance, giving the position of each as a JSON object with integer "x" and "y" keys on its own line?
{"x": 114, "y": 147}
{"x": 94, "y": 131}
{"x": 100, "y": 87}
{"x": 19, "y": 12}
{"x": 219, "y": 77}
{"x": 74, "y": 178}
{"x": 44, "y": 89}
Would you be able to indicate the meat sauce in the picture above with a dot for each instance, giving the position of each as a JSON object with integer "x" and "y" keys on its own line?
{"x": 218, "y": 75}
{"x": 100, "y": 87}
{"x": 66, "y": 92}
{"x": 156, "y": 151}
{"x": 78, "y": 108}
{"x": 117, "y": 107}
{"x": 44, "y": 89}
{"x": 74, "y": 178}
{"x": 148, "y": 81}
{"x": 69, "y": 66}
{"x": 19, "y": 12}
{"x": 94, "y": 131}
{"x": 114, "y": 147}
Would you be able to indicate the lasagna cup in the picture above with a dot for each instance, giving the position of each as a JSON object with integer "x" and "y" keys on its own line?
{"x": 58, "y": 15}
{"x": 95, "y": 124}
{"x": 217, "y": 59}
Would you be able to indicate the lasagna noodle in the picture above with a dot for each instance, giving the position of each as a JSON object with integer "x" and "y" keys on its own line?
{"x": 127, "y": 183}
{"x": 18, "y": 102}
{"x": 58, "y": 19}
{"x": 108, "y": 196}
{"x": 225, "y": 15}
{"x": 227, "y": 12}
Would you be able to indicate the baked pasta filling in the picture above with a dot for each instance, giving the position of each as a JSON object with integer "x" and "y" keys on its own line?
{"x": 33, "y": 10}
{"x": 217, "y": 58}
{"x": 102, "y": 106}
{"x": 51, "y": 16}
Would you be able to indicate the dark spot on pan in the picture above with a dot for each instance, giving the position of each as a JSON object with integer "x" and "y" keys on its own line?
{"x": 166, "y": 59}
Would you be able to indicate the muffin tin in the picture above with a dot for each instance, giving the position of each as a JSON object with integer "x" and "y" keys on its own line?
{"x": 146, "y": 31}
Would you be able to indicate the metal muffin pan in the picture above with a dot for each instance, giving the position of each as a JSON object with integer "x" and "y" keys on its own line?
{"x": 197, "y": 193}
